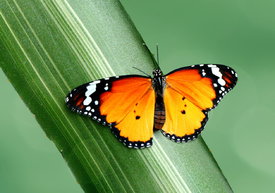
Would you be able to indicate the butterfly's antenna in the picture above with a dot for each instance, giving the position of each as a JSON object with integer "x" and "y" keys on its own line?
{"x": 157, "y": 47}
{"x": 141, "y": 71}
{"x": 152, "y": 56}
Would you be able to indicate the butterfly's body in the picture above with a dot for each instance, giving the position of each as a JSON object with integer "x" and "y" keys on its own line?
{"x": 134, "y": 106}
{"x": 158, "y": 82}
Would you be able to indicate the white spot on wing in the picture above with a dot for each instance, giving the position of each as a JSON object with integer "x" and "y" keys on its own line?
{"x": 216, "y": 71}
{"x": 91, "y": 88}
{"x": 96, "y": 102}
{"x": 221, "y": 81}
{"x": 87, "y": 101}
{"x": 212, "y": 66}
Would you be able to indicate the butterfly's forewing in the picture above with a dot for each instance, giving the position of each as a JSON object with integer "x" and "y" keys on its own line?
{"x": 189, "y": 94}
{"x": 125, "y": 103}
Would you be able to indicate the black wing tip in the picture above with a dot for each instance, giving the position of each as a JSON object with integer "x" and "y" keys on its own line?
{"x": 71, "y": 104}
{"x": 69, "y": 101}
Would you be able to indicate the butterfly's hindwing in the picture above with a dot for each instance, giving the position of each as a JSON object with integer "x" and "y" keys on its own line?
{"x": 184, "y": 120}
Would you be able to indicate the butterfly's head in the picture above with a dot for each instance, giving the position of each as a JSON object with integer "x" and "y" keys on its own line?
{"x": 157, "y": 73}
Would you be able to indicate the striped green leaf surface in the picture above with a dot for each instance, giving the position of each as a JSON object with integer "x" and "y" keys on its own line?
{"x": 50, "y": 47}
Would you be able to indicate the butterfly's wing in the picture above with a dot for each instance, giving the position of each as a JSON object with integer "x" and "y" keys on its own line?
{"x": 125, "y": 103}
{"x": 189, "y": 94}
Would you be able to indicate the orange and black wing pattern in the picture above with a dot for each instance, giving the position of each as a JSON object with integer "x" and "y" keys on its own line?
{"x": 125, "y": 103}
{"x": 189, "y": 94}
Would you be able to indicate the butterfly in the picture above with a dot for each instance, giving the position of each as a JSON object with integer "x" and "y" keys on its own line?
{"x": 134, "y": 106}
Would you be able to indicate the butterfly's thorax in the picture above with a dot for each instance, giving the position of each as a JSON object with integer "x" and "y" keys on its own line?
{"x": 159, "y": 83}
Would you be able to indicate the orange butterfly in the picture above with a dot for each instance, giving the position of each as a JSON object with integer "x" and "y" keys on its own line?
{"x": 134, "y": 106}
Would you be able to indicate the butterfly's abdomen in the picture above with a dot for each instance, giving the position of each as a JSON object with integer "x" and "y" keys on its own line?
{"x": 159, "y": 115}
{"x": 158, "y": 85}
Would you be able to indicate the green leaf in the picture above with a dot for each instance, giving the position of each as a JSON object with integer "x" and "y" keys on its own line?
{"x": 50, "y": 47}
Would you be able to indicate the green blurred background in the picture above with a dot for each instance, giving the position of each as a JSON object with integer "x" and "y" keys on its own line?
{"x": 240, "y": 132}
